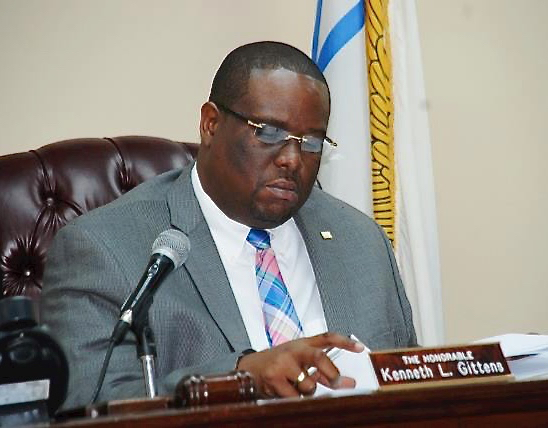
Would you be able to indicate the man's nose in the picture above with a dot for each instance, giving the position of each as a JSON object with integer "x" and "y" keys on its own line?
{"x": 290, "y": 155}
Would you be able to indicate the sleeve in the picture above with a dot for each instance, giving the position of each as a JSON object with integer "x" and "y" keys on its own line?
{"x": 80, "y": 304}
{"x": 410, "y": 337}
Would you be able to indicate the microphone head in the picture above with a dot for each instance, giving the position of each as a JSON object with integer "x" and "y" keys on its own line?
{"x": 173, "y": 244}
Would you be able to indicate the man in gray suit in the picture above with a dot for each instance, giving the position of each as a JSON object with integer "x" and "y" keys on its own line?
{"x": 262, "y": 133}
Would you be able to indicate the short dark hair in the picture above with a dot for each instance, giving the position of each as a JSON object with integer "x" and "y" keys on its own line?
{"x": 230, "y": 81}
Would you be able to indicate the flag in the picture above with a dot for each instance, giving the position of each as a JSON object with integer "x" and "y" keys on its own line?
{"x": 369, "y": 53}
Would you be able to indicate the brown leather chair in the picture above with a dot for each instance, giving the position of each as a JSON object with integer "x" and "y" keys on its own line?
{"x": 41, "y": 190}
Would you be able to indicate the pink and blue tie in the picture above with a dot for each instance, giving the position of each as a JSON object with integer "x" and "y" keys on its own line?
{"x": 281, "y": 321}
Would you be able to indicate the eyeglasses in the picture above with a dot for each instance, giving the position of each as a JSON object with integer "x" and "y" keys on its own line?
{"x": 272, "y": 135}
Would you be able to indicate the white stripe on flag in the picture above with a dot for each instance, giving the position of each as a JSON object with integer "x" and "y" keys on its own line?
{"x": 417, "y": 250}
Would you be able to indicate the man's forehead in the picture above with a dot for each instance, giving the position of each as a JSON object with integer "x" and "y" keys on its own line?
{"x": 266, "y": 74}
{"x": 273, "y": 84}
{"x": 288, "y": 99}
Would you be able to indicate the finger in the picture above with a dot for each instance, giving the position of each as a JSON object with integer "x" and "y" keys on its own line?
{"x": 305, "y": 384}
{"x": 280, "y": 376}
{"x": 335, "y": 340}
{"x": 285, "y": 388}
{"x": 297, "y": 383}
{"x": 267, "y": 392}
{"x": 325, "y": 366}
{"x": 343, "y": 382}
{"x": 315, "y": 376}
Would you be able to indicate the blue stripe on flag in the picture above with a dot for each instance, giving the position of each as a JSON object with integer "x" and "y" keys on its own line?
{"x": 316, "y": 31}
{"x": 348, "y": 26}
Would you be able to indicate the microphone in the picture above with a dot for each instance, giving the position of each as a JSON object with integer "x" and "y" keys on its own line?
{"x": 169, "y": 251}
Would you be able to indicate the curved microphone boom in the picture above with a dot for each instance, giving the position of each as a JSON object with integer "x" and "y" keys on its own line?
{"x": 169, "y": 251}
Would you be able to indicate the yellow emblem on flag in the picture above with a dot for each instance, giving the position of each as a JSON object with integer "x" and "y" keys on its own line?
{"x": 381, "y": 110}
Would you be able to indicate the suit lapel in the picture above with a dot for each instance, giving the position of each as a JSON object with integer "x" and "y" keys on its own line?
{"x": 206, "y": 269}
{"x": 204, "y": 264}
{"x": 336, "y": 297}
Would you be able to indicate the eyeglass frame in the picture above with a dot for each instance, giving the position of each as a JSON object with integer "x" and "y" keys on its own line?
{"x": 288, "y": 137}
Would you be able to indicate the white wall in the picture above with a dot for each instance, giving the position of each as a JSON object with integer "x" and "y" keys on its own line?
{"x": 105, "y": 68}
{"x": 485, "y": 67}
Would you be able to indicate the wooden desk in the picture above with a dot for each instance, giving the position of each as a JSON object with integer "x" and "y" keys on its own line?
{"x": 515, "y": 404}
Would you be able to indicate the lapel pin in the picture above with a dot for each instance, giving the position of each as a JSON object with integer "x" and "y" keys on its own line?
{"x": 326, "y": 235}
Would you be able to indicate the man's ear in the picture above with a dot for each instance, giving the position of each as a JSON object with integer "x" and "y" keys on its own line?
{"x": 209, "y": 119}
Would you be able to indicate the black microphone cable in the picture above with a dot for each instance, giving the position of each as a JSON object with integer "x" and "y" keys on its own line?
{"x": 111, "y": 345}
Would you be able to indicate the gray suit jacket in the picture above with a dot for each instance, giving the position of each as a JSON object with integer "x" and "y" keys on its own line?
{"x": 97, "y": 260}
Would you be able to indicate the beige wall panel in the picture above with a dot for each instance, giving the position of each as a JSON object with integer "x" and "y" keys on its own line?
{"x": 105, "y": 68}
{"x": 485, "y": 66}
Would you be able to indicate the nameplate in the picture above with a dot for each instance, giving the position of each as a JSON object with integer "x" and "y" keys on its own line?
{"x": 404, "y": 368}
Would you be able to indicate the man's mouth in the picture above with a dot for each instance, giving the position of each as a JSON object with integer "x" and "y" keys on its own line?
{"x": 283, "y": 189}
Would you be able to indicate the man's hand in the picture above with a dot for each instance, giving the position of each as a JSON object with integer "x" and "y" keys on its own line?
{"x": 282, "y": 371}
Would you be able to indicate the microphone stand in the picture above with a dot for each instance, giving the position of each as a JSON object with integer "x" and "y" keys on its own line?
{"x": 146, "y": 352}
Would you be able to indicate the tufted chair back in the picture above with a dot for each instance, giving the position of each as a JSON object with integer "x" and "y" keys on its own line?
{"x": 41, "y": 190}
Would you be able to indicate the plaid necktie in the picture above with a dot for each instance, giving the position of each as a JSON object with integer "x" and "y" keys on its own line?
{"x": 281, "y": 321}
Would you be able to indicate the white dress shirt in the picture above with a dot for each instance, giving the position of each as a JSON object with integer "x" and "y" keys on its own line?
{"x": 238, "y": 257}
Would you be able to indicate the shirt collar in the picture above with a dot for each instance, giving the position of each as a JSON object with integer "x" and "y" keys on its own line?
{"x": 230, "y": 234}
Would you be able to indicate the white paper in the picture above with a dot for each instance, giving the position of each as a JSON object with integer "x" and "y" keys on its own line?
{"x": 357, "y": 366}
{"x": 527, "y": 354}
{"x": 529, "y": 368}
{"x": 519, "y": 344}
